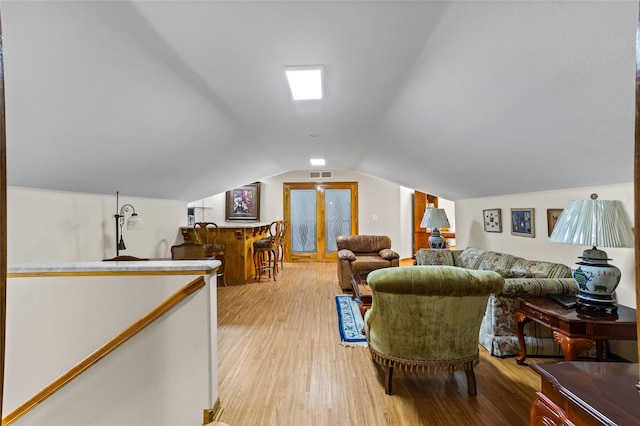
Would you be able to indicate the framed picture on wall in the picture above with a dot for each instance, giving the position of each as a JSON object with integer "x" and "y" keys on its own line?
{"x": 492, "y": 219}
{"x": 523, "y": 222}
{"x": 552, "y": 218}
{"x": 243, "y": 203}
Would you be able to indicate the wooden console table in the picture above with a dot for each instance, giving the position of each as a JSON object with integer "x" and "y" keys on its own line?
{"x": 586, "y": 393}
{"x": 574, "y": 329}
{"x": 238, "y": 239}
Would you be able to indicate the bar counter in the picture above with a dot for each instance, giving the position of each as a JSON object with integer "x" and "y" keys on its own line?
{"x": 238, "y": 239}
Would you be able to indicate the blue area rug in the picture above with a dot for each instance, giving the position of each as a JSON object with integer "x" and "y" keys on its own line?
{"x": 350, "y": 322}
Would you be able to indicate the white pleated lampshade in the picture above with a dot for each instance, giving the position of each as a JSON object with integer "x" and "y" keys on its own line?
{"x": 596, "y": 223}
{"x": 434, "y": 218}
{"x": 134, "y": 222}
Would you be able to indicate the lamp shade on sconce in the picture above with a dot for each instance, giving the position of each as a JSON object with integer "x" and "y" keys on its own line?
{"x": 134, "y": 222}
{"x": 594, "y": 222}
{"x": 435, "y": 219}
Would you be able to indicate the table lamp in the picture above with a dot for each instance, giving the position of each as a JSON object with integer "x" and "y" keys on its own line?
{"x": 603, "y": 223}
{"x": 435, "y": 219}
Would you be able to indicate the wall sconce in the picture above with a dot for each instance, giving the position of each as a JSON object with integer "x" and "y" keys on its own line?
{"x": 134, "y": 222}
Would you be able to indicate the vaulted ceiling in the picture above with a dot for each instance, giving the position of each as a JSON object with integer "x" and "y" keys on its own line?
{"x": 185, "y": 99}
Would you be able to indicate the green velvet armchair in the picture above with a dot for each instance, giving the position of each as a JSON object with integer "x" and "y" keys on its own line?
{"x": 427, "y": 318}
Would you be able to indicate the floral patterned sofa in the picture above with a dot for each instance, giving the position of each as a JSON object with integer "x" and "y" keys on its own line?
{"x": 523, "y": 278}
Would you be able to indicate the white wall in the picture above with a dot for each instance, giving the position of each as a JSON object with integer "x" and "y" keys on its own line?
{"x": 56, "y": 226}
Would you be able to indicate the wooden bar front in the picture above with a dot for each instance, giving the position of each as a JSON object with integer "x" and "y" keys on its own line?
{"x": 238, "y": 239}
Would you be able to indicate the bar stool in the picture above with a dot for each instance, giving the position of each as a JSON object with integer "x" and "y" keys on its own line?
{"x": 282, "y": 241}
{"x": 265, "y": 253}
{"x": 207, "y": 234}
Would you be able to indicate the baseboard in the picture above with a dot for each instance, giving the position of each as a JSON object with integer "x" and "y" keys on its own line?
{"x": 213, "y": 414}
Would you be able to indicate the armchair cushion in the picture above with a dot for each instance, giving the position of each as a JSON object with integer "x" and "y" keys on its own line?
{"x": 346, "y": 254}
{"x": 388, "y": 254}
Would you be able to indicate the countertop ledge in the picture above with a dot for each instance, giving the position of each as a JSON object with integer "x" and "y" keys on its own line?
{"x": 117, "y": 266}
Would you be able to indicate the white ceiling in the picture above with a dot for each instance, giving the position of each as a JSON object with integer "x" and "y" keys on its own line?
{"x": 183, "y": 100}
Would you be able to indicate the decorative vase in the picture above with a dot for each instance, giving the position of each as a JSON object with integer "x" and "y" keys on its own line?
{"x": 596, "y": 279}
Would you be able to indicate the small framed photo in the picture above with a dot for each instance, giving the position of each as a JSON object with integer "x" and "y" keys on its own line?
{"x": 522, "y": 222}
{"x": 552, "y": 218}
{"x": 243, "y": 203}
{"x": 492, "y": 220}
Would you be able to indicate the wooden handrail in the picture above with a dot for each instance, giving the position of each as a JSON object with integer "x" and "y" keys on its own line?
{"x": 105, "y": 350}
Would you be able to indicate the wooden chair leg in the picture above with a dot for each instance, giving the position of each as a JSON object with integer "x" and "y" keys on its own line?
{"x": 388, "y": 380}
{"x": 272, "y": 266}
{"x": 281, "y": 254}
{"x": 471, "y": 382}
{"x": 223, "y": 259}
{"x": 275, "y": 263}
{"x": 259, "y": 264}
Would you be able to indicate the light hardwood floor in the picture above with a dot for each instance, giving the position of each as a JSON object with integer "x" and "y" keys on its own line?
{"x": 281, "y": 363}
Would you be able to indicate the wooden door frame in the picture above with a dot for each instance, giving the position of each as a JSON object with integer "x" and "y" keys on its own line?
{"x": 3, "y": 224}
{"x": 636, "y": 190}
{"x": 319, "y": 187}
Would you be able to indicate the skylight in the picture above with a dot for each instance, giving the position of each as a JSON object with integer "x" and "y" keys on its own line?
{"x": 317, "y": 161}
{"x": 305, "y": 82}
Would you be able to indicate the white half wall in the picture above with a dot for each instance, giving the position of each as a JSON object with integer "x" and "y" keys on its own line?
{"x": 164, "y": 375}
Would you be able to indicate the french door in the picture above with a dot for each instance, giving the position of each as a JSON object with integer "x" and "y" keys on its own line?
{"x": 317, "y": 213}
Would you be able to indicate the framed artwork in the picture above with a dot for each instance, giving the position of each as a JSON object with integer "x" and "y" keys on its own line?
{"x": 492, "y": 220}
{"x": 243, "y": 203}
{"x": 552, "y": 218}
{"x": 522, "y": 222}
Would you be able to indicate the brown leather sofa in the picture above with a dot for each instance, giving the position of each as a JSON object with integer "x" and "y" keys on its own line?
{"x": 363, "y": 253}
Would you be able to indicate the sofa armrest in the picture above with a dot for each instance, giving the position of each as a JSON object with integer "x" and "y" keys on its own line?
{"x": 346, "y": 254}
{"x": 435, "y": 257}
{"x": 388, "y": 254}
{"x": 527, "y": 287}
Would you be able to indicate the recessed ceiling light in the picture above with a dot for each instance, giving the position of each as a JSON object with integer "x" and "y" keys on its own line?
{"x": 305, "y": 82}
{"x": 317, "y": 162}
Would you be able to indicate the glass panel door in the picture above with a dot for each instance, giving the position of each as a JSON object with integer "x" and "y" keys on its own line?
{"x": 337, "y": 216}
{"x": 317, "y": 214}
{"x": 303, "y": 221}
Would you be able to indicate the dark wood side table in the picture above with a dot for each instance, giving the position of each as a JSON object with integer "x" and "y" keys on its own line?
{"x": 361, "y": 290}
{"x": 575, "y": 329}
{"x": 586, "y": 393}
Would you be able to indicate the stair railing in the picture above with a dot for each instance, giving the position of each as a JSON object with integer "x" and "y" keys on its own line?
{"x": 105, "y": 350}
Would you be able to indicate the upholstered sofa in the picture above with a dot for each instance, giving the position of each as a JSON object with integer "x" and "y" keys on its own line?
{"x": 523, "y": 278}
{"x": 363, "y": 253}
